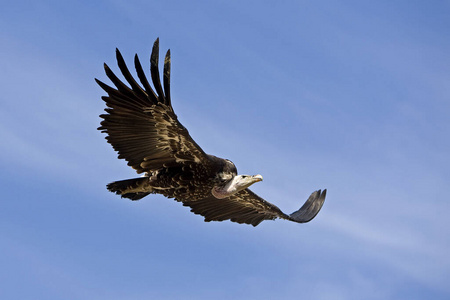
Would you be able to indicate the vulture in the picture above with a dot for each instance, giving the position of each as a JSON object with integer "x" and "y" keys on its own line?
{"x": 142, "y": 127}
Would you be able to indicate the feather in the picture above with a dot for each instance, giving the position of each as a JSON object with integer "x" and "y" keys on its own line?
{"x": 154, "y": 60}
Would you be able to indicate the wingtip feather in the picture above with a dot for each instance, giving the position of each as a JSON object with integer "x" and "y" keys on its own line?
{"x": 310, "y": 208}
{"x": 154, "y": 61}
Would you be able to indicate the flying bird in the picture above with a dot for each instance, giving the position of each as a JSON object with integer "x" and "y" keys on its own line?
{"x": 142, "y": 127}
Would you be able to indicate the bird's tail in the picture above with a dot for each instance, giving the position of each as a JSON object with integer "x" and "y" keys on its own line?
{"x": 134, "y": 189}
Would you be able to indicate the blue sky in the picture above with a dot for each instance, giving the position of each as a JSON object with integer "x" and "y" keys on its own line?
{"x": 352, "y": 96}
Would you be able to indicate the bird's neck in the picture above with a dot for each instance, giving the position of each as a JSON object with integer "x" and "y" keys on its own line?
{"x": 227, "y": 190}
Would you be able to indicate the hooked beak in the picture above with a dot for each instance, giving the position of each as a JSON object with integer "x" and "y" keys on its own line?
{"x": 257, "y": 178}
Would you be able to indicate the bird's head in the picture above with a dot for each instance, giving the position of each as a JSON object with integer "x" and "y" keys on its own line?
{"x": 234, "y": 185}
{"x": 244, "y": 181}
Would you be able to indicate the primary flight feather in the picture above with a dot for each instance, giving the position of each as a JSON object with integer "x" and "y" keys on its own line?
{"x": 143, "y": 128}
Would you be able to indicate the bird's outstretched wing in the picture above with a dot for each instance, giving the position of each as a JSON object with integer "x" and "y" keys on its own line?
{"x": 247, "y": 207}
{"x": 140, "y": 122}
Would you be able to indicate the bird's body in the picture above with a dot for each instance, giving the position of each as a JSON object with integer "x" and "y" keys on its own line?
{"x": 142, "y": 127}
{"x": 189, "y": 181}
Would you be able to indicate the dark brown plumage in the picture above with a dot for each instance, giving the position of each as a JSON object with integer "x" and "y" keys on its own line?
{"x": 142, "y": 127}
